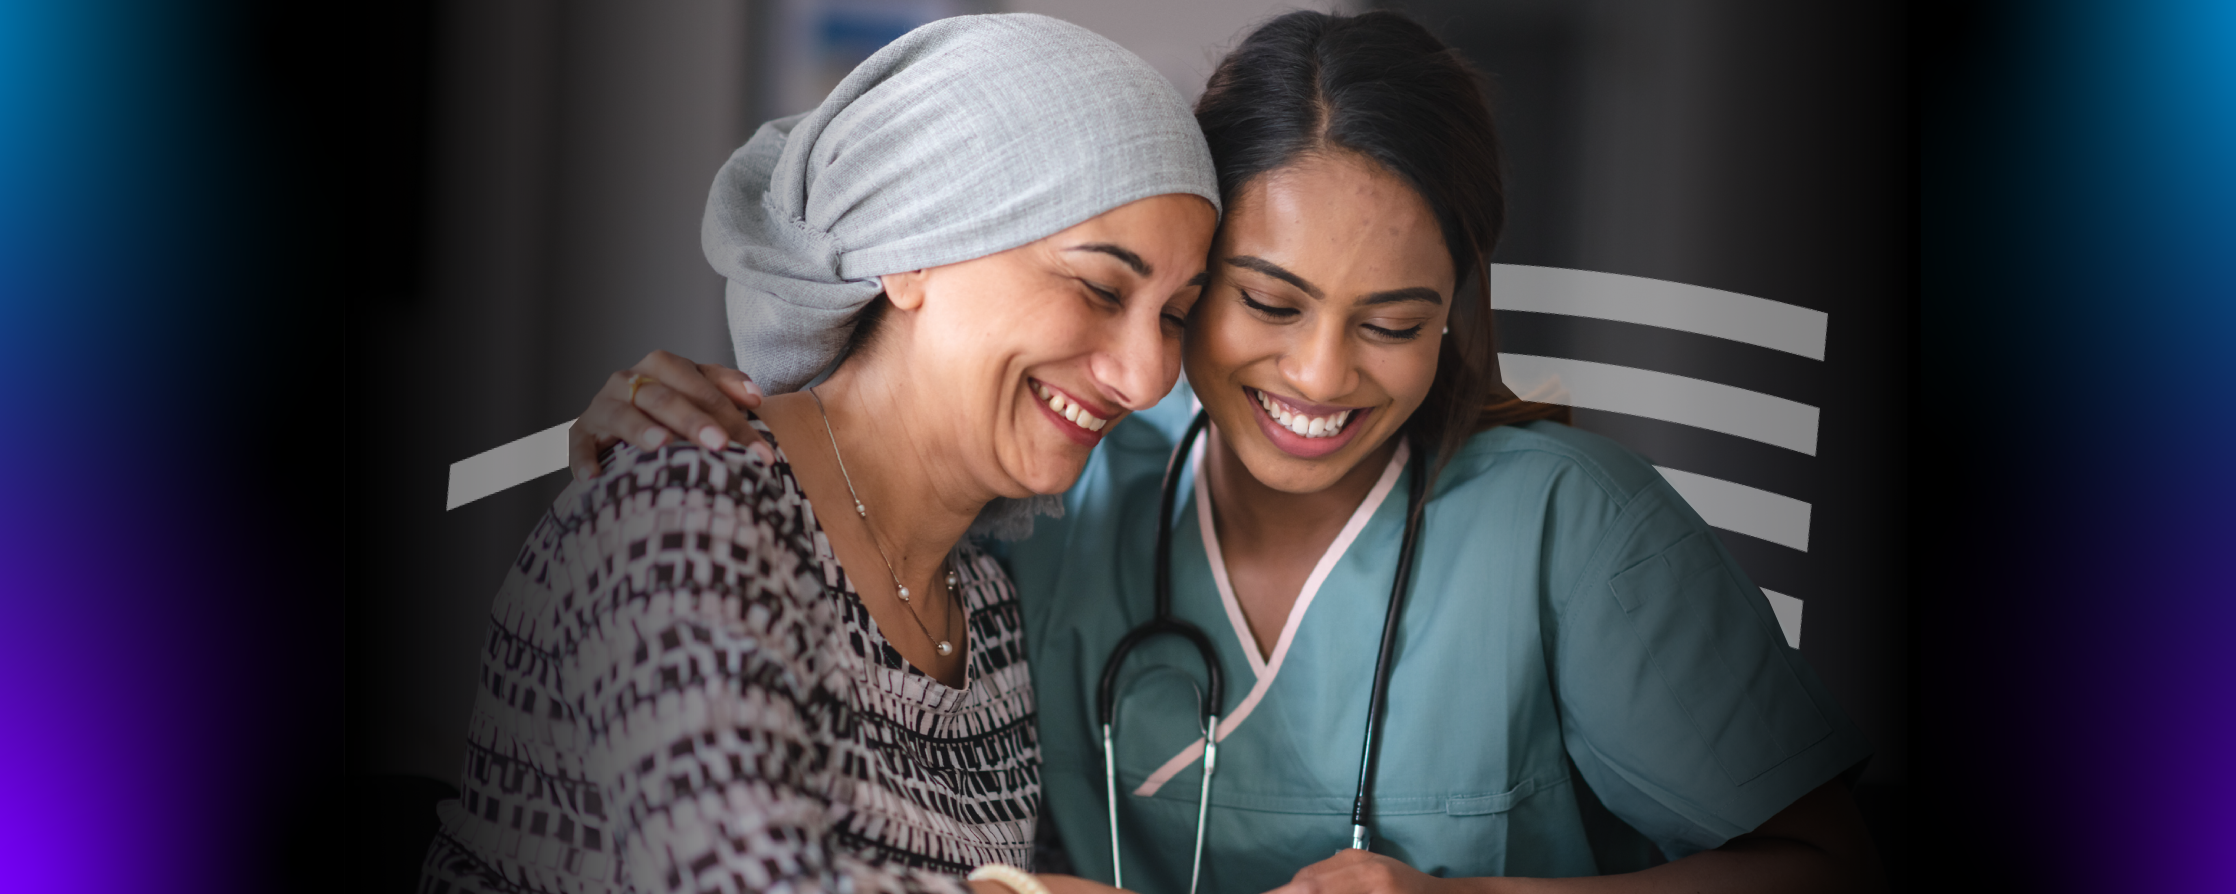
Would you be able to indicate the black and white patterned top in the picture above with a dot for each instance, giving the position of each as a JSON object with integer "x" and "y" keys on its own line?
{"x": 682, "y": 692}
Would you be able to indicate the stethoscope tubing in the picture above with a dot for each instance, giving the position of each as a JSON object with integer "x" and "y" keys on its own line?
{"x": 1385, "y": 656}
{"x": 1162, "y": 623}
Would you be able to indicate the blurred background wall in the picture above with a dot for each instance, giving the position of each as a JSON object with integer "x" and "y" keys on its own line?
{"x": 543, "y": 166}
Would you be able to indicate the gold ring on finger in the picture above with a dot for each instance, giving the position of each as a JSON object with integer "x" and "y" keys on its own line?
{"x": 636, "y": 382}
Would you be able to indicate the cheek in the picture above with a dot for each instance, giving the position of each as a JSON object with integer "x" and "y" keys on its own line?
{"x": 1222, "y": 340}
{"x": 1418, "y": 369}
{"x": 1406, "y": 373}
{"x": 994, "y": 318}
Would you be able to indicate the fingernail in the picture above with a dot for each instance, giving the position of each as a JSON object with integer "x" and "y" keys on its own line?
{"x": 656, "y": 436}
{"x": 712, "y": 438}
{"x": 762, "y": 450}
{"x": 582, "y": 473}
{"x": 753, "y": 388}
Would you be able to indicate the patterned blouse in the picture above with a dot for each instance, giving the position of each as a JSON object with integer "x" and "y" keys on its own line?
{"x": 681, "y": 691}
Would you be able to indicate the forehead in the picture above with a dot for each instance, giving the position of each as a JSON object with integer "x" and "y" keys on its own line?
{"x": 1165, "y": 229}
{"x": 1343, "y": 222}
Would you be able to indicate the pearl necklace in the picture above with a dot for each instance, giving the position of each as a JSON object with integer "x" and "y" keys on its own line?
{"x": 945, "y": 647}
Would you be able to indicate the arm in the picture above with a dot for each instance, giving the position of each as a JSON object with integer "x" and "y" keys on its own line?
{"x": 1057, "y": 884}
{"x": 1817, "y": 843}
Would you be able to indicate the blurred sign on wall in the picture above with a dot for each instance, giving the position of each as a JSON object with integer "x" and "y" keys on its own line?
{"x": 811, "y": 45}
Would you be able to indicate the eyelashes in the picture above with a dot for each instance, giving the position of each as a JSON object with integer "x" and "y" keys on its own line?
{"x": 1278, "y": 313}
{"x": 1284, "y": 314}
{"x": 1112, "y": 299}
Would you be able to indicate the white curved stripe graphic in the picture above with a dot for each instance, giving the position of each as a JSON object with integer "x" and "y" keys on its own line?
{"x": 1788, "y": 610}
{"x": 500, "y": 468}
{"x": 1751, "y": 511}
{"x": 1670, "y": 398}
{"x": 1653, "y": 302}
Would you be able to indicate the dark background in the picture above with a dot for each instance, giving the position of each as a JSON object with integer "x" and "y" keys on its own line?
{"x": 316, "y": 257}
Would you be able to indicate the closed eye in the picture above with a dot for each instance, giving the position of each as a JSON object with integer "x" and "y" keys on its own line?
{"x": 1278, "y": 313}
{"x": 1103, "y": 293}
{"x": 1406, "y": 334}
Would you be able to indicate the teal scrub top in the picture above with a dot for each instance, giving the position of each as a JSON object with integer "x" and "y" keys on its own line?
{"x": 1581, "y": 669}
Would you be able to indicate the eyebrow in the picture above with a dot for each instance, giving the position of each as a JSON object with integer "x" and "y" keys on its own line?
{"x": 1140, "y": 267}
{"x": 1276, "y": 271}
{"x": 1389, "y": 296}
{"x": 1414, "y": 293}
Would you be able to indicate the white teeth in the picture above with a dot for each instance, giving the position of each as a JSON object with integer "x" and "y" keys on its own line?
{"x": 1304, "y": 426}
{"x": 1072, "y": 412}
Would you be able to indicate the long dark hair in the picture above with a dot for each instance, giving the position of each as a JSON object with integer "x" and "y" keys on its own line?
{"x": 1381, "y": 86}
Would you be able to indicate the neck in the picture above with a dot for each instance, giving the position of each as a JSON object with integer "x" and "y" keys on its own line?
{"x": 897, "y": 463}
{"x": 1252, "y": 516}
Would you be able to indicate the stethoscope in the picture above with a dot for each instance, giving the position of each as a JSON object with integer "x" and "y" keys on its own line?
{"x": 1163, "y": 623}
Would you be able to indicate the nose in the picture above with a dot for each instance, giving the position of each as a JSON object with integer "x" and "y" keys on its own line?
{"x": 1320, "y": 364}
{"x": 1136, "y": 366}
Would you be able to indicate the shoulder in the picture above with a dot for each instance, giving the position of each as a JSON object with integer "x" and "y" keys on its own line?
{"x": 731, "y": 482}
{"x": 721, "y": 524}
{"x": 1590, "y": 467}
{"x": 1596, "y": 507}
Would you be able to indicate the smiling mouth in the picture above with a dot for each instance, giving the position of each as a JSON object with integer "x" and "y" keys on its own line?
{"x": 1063, "y": 406}
{"x": 1302, "y": 423}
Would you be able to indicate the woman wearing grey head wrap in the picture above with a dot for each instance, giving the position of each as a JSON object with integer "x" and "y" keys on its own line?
{"x": 719, "y": 670}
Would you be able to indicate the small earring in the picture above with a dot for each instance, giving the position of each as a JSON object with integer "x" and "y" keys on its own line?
{"x": 1447, "y": 330}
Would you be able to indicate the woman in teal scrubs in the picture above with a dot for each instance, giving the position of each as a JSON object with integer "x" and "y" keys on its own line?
{"x": 1585, "y": 683}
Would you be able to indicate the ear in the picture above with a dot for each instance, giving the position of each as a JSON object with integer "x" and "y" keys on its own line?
{"x": 905, "y": 290}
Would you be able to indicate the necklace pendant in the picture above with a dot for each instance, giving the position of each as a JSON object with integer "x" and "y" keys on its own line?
{"x": 953, "y": 579}
{"x": 861, "y": 510}
{"x": 945, "y": 648}
{"x": 904, "y": 594}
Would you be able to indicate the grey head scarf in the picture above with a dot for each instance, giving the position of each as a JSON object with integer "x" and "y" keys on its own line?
{"x": 965, "y": 137}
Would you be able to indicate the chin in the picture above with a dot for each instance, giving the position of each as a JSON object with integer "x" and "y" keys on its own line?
{"x": 1294, "y": 476}
{"x": 1058, "y": 469}
{"x": 1283, "y": 472}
